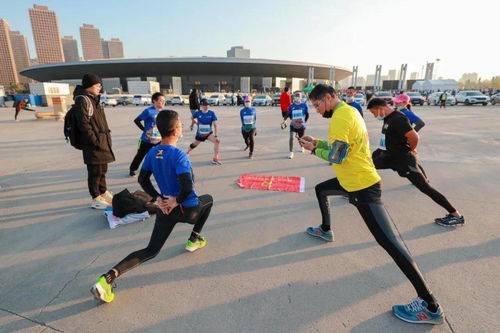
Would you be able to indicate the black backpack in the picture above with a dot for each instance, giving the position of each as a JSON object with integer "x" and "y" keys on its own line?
{"x": 71, "y": 131}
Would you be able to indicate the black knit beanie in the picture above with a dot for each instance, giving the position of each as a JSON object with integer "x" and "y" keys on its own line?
{"x": 89, "y": 80}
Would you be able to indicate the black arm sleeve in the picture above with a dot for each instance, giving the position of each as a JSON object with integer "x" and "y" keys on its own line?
{"x": 145, "y": 182}
{"x": 186, "y": 183}
{"x": 418, "y": 125}
{"x": 307, "y": 117}
{"x": 137, "y": 121}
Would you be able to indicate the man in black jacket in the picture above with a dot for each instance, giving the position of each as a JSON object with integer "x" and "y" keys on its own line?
{"x": 194, "y": 104}
{"x": 96, "y": 138}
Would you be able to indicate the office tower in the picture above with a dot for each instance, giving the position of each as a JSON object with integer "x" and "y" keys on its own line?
{"x": 8, "y": 70}
{"x": 21, "y": 53}
{"x": 46, "y": 35}
{"x": 70, "y": 48}
{"x": 91, "y": 42}
{"x": 112, "y": 48}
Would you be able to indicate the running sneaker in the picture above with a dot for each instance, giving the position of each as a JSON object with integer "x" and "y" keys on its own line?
{"x": 216, "y": 161}
{"x": 416, "y": 312}
{"x": 290, "y": 156}
{"x": 450, "y": 221}
{"x": 108, "y": 196}
{"x": 102, "y": 290}
{"x": 132, "y": 173}
{"x": 99, "y": 203}
{"x": 250, "y": 156}
{"x": 318, "y": 232}
{"x": 198, "y": 244}
{"x": 301, "y": 149}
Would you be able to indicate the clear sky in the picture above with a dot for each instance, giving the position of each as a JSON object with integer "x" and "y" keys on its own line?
{"x": 463, "y": 34}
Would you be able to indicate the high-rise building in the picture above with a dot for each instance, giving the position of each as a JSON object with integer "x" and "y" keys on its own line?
{"x": 46, "y": 35}
{"x": 112, "y": 48}
{"x": 70, "y": 48}
{"x": 414, "y": 75}
{"x": 469, "y": 78}
{"x": 393, "y": 74}
{"x": 21, "y": 53}
{"x": 8, "y": 69}
{"x": 238, "y": 52}
{"x": 91, "y": 42}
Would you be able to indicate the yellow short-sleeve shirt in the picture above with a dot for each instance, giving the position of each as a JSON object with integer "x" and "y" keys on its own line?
{"x": 357, "y": 171}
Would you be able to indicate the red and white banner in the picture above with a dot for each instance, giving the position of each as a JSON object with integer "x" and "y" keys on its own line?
{"x": 272, "y": 183}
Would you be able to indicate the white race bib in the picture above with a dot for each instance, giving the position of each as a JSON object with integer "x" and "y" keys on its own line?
{"x": 297, "y": 115}
{"x": 247, "y": 120}
{"x": 204, "y": 129}
{"x": 155, "y": 135}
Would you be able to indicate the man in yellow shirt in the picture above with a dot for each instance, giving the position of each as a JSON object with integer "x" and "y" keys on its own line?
{"x": 348, "y": 150}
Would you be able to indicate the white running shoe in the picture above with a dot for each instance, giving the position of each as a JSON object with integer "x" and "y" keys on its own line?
{"x": 291, "y": 155}
{"x": 301, "y": 149}
{"x": 108, "y": 196}
{"x": 99, "y": 203}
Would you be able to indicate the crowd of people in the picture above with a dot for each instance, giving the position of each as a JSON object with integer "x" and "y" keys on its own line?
{"x": 346, "y": 149}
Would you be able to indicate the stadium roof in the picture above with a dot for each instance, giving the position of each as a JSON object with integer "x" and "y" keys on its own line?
{"x": 180, "y": 66}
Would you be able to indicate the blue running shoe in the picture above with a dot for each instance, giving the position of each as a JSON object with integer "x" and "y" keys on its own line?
{"x": 416, "y": 312}
{"x": 318, "y": 232}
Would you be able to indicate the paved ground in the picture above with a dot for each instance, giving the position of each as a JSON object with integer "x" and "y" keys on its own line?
{"x": 260, "y": 271}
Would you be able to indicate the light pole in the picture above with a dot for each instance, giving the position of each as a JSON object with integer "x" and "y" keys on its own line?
{"x": 437, "y": 63}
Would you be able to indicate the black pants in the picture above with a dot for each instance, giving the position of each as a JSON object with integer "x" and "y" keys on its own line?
{"x": 442, "y": 105}
{"x": 376, "y": 218}
{"x": 163, "y": 227}
{"x": 144, "y": 147}
{"x": 97, "y": 179}
{"x": 295, "y": 132}
{"x": 249, "y": 137}
{"x": 407, "y": 166}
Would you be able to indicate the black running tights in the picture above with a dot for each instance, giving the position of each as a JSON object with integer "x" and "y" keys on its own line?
{"x": 375, "y": 216}
{"x": 248, "y": 136}
{"x": 163, "y": 227}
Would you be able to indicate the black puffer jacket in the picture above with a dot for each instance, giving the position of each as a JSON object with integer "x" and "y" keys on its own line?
{"x": 194, "y": 102}
{"x": 96, "y": 136}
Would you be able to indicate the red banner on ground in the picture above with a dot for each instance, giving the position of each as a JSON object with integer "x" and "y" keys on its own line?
{"x": 272, "y": 183}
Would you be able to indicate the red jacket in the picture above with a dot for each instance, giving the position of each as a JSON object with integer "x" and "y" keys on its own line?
{"x": 285, "y": 101}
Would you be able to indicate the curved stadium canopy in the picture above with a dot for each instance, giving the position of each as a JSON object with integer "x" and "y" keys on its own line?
{"x": 177, "y": 66}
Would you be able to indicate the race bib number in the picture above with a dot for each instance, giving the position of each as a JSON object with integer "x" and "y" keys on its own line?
{"x": 382, "y": 143}
{"x": 204, "y": 129}
{"x": 297, "y": 115}
{"x": 247, "y": 120}
{"x": 155, "y": 135}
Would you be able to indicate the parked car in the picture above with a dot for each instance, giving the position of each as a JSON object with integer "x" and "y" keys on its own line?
{"x": 262, "y": 100}
{"x": 216, "y": 99}
{"x": 168, "y": 100}
{"x": 360, "y": 98}
{"x": 142, "y": 100}
{"x": 495, "y": 99}
{"x": 276, "y": 99}
{"x": 186, "y": 99}
{"x": 416, "y": 98}
{"x": 177, "y": 100}
{"x": 385, "y": 95}
{"x": 125, "y": 100}
{"x": 229, "y": 100}
{"x": 108, "y": 101}
{"x": 434, "y": 99}
{"x": 469, "y": 97}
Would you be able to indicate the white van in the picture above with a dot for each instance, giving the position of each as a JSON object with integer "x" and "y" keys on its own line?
{"x": 142, "y": 100}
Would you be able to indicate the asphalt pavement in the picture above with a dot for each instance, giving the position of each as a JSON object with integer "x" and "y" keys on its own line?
{"x": 260, "y": 271}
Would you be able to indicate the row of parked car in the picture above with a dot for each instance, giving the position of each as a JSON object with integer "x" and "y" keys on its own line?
{"x": 465, "y": 97}
{"x": 468, "y": 97}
